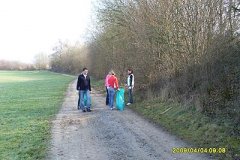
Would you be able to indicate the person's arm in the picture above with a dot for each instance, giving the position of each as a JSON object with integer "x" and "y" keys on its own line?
{"x": 89, "y": 83}
{"x": 106, "y": 81}
{"x": 116, "y": 82}
{"x": 78, "y": 83}
{"x": 131, "y": 82}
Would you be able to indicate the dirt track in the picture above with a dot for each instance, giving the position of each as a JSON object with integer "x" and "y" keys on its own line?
{"x": 104, "y": 134}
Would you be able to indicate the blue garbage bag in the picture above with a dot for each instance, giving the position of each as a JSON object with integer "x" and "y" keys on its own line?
{"x": 120, "y": 99}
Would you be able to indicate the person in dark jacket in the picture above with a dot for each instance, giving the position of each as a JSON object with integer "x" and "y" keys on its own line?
{"x": 107, "y": 86}
{"x": 84, "y": 88}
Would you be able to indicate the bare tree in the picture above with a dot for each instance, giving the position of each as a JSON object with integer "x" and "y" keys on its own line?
{"x": 41, "y": 61}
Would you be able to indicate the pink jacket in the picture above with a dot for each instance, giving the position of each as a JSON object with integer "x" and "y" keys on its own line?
{"x": 106, "y": 80}
{"x": 113, "y": 82}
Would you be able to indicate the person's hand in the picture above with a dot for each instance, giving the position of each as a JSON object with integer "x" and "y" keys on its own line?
{"x": 131, "y": 87}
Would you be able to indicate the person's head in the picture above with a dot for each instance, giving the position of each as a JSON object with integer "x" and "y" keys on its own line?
{"x": 130, "y": 71}
{"x": 112, "y": 72}
{"x": 85, "y": 71}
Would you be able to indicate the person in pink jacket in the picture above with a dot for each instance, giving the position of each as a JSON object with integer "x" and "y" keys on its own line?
{"x": 113, "y": 85}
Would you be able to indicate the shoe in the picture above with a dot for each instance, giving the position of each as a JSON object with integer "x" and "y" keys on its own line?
{"x": 83, "y": 110}
{"x": 128, "y": 104}
{"x": 89, "y": 110}
{"x": 112, "y": 108}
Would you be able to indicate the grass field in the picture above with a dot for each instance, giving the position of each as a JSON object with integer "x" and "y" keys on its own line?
{"x": 28, "y": 101}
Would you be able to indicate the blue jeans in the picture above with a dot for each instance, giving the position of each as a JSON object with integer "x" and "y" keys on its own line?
{"x": 83, "y": 93}
{"x": 130, "y": 96}
{"x": 111, "y": 93}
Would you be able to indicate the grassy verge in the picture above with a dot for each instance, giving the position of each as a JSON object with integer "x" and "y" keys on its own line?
{"x": 192, "y": 126}
{"x": 98, "y": 85}
{"x": 28, "y": 101}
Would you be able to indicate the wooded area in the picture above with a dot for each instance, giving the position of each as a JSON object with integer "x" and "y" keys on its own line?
{"x": 187, "y": 51}
{"x": 68, "y": 58}
{"x": 14, "y": 65}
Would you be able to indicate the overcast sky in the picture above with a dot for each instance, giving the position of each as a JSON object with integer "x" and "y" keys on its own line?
{"x": 28, "y": 27}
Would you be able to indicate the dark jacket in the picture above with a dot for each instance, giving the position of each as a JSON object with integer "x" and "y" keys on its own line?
{"x": 83, "y": 83}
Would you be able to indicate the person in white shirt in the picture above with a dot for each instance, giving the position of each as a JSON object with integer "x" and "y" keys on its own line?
{"x": 130, "y": 85}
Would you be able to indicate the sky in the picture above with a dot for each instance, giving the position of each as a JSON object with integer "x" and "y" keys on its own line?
{"x": 29, "y": 27}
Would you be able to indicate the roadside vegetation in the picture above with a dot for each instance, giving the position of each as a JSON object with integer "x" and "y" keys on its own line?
{"x": 196, "y": 128}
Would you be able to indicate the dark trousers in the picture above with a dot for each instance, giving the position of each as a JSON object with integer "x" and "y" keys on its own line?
{"x": 78, "y": 106}
{"x": 107, "y": 97}
{"x": 130, "y": 96}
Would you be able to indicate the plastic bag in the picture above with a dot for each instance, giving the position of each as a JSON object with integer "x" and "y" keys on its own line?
{"x": 120, "y": 99}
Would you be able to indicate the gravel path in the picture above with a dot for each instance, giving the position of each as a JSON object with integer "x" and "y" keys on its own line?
{"x": 109, "y": 135}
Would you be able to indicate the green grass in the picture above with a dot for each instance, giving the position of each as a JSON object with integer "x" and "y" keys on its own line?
{"x": 98, "y": 85}
{"x": 194, "y": 127}
{"x": 28, "y": 102}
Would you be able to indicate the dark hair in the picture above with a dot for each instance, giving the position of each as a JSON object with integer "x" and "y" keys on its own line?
{"x": 84, "y": 68}
{"x": 129, "y": 69}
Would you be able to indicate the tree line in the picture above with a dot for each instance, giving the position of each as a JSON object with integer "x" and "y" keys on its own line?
{"x": 68, "y": 58}
{"x": 188, "y": 51}
{"x": 41, "y": 62}
{"x": 15, "y": 65}
{"x": 65, "y": 58}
